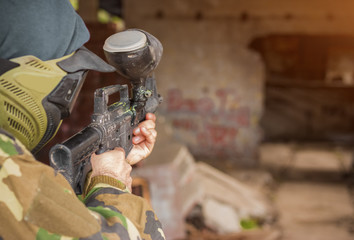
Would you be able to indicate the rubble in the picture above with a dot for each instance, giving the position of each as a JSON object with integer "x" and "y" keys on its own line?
{"x": 179, "y": 185}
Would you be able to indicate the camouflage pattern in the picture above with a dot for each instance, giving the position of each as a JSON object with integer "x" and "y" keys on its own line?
{"x": 36, "y": 203}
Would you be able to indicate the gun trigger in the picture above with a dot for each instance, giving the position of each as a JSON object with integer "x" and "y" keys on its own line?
{"x": 100, "y": 151}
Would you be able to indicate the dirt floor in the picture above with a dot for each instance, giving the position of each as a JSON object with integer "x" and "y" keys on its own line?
{"x": 311, "y": 188}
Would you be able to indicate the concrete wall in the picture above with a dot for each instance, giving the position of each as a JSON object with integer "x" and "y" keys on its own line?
{"x": 212, "y": 83}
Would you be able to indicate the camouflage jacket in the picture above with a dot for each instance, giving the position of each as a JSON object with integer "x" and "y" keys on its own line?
{"x": 36, "y": 203}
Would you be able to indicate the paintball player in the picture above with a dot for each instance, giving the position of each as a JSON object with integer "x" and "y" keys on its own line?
{"x": 41, "y": 55}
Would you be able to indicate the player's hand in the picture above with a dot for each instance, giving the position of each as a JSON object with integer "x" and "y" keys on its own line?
{"x": 112, "y": 164}
{"x": 144, "y": 140}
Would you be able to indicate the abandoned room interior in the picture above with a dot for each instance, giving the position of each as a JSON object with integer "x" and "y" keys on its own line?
{"x": 256, "y": 128}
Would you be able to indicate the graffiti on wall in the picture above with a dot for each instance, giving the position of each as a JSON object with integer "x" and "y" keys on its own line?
{"x": 213, "y": 120}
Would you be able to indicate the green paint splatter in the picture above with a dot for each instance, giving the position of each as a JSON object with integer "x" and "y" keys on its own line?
{"x": 249, "y": 224}
{"x": 67, "y": 191}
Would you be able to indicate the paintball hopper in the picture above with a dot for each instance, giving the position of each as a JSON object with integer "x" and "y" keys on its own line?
{"x": 134, "y": 53}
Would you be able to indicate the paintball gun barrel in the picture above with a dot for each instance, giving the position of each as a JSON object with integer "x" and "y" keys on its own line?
{"x": 135, "y": 54}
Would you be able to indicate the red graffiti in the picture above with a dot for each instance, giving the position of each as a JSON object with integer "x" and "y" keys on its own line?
{"x": 210, "y": 119}
{"x": 186, "y": 124}
{"x": 241, "y": 117}
{"x": 176, "y": 102}
{"x": 222, "y": 95}
{"x": 206, "y": 107}
{"x": 217, "y": 136}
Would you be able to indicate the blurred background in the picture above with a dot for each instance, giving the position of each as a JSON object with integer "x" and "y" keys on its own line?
{"x": 256, "y": 129}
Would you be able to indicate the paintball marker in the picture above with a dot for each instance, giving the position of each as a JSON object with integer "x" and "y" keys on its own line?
{"x": 135, "y": 54}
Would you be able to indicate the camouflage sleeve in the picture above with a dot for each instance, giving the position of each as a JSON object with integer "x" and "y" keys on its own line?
{"x": 37, "y": 203}
{"x": 103, "y": 192}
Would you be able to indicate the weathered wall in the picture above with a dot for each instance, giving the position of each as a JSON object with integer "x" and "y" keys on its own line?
{"x": 241, "y": 20}
{"x": 211, "y": 82}
{"x": 309, "y": 88}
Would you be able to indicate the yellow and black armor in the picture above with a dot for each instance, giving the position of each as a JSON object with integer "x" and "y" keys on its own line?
{"x": 36, "y": 95}
{"x": 22, "y": 89}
